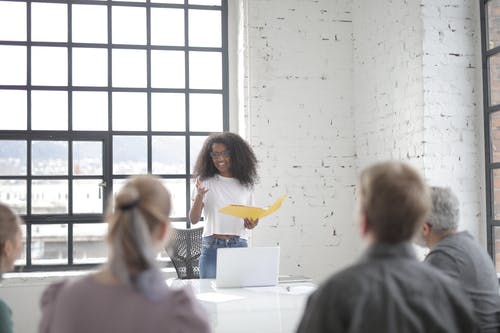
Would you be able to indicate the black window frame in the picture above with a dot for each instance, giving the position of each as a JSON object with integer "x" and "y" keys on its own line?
{"x": 107, "y": 136}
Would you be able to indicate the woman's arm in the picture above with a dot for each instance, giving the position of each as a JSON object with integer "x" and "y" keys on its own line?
{"x": 197, "y": 206}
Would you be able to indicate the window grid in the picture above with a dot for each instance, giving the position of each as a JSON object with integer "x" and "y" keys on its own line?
{"x": 106, "y": 137}
{"x": 490, "y": 30}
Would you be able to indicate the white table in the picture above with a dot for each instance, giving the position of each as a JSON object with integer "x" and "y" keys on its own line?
{"x": 256, "y": 310}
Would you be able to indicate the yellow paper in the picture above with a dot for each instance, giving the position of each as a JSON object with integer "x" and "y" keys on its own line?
{"x": 251, "y": 212}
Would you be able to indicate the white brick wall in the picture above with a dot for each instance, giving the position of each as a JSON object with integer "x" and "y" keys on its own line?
{"x": 301, "y": 127}
{"x": 388, "y": 81}
{"x": 453, "y": 106}
{"x": 335, "y": 85}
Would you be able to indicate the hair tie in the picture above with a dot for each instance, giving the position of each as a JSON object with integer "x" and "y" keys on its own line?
{"x": 129, "y": 205}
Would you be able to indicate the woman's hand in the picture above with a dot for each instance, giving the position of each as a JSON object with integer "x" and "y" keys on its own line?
{"x": 200, "y": 190}
{"x": 250, "y": 223}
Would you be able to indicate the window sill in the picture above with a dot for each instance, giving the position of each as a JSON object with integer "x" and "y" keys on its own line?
{"x": 45, "y": 278}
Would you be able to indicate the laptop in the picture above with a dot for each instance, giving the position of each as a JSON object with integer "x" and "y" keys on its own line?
{"x": 247, "y": 267}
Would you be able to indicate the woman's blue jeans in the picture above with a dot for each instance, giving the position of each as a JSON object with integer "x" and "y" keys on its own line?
{"x": 208, "y": 258}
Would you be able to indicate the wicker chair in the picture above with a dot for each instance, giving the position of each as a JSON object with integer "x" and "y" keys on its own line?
{"x": 184, "y": 249}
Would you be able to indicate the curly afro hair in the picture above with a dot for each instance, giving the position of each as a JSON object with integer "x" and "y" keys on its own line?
{"x": 243, "y": 160}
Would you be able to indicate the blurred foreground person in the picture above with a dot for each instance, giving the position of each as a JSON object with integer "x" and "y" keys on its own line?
{"x": 10, "y": 250}
{"x": 389, "y": 290}
{"x": 458, "y": 255}
{"x": 129, "y": 294}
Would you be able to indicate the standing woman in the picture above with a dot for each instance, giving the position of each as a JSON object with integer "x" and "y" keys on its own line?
{"x": 10, "y": 249}
{"x": 129, "y": 294}
{"x": 225, "y": 171}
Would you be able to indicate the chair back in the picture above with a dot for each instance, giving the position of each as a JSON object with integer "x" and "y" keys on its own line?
{"x": 184, "y": 249}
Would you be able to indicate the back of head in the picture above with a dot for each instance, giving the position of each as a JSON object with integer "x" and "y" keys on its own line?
{"x": 445, "y": 210}
{"x": 9, "y": 226}
{"x": 140, "y": 207}
{"x": 394, "y": 199}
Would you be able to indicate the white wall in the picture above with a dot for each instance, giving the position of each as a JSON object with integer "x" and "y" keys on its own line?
{"x": 453, "y": 122}
{"x": 301, "y": 126}
{"x": 336, "y": 85}
{"x": 388, "y": 83}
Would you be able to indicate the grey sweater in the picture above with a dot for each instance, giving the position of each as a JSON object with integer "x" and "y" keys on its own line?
{"x": 460, "y": 257}
{"x": 85, "y": 305}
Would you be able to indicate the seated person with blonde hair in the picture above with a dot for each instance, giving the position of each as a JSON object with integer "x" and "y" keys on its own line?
{"x": 10, "y": 249}
{"x": 129, "y": 294}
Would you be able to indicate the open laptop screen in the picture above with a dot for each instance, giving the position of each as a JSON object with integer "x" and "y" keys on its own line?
{"x": 247, "y": 267}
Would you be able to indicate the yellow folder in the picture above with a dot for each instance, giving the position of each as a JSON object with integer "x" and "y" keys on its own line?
{"x": 251, "y": 212}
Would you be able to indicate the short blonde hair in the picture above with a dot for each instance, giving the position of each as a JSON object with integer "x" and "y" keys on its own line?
{"x": 395, "y": 200}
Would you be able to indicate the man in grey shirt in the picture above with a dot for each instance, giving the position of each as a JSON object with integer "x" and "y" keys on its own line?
{"x": 459, "y": 256}
{"x": 389, "y": 290}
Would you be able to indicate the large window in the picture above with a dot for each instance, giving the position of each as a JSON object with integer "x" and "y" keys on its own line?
{"x": 490, "y": 31}
{"x": 93, "y": 91}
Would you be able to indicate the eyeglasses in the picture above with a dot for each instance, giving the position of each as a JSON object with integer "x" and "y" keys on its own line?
{"x": 224, "y": 153}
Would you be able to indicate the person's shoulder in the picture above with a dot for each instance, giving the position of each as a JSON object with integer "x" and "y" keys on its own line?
{"x": 346, "y": 280}
{"x": 181, "y": 297}
{"x": 66, "y": 287}
{"x": 4, "y": 309}
{"x": 185, "y": 313}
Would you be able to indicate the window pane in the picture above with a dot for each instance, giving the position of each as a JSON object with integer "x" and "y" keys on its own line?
{"x": 49, "y": 66}
{"x": 90, "y": 111}
{"x": 496, "y": 194}
{"x": 89, "y": 243}
{"x": 205, "y": 2}
{"x": 177, "y": 188}
{"x": 87, "y": 158}
{"x": 49, "y": 110}
{"x": 129, "y": 68}
{"x": 49, "y": 158}
{"x": 494, "y": 77}
{"x": 205, "y": 28}
{"x": 496, "y": 234}
{"x": 129, "y": 155}
{"x": 168, "y": 112}
{"x": 87, "y": 196}
{"x": 205, "y": 112}
{"x": 90, "y": 67}
{"x": 129, "y": 111}
{"x": 196, "y": 142}
{"x": 90, "y": 24}
{"x": 13, "y": 109}
{"x": 13, "y": 193}
{"x": 169, "y": 154}
{"x": 13, "y": 158}
{"x": 493, "y": 8}
{"x": 167, "y": 26}
{"x": 129, "y": 25}
{"x": 12, "y": 21}
{"x": 49, "y": 22}
{"x": 167, "y": 69}
{"x": 205, "y": 71}
{"x": 495, "y": 137}
{"x": 49, "y": 244}
{"x": 49, "y": 196}
{"x": 13, "y": 65}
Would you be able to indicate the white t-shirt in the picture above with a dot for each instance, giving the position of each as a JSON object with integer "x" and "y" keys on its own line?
{"x": 223, "y": 191}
